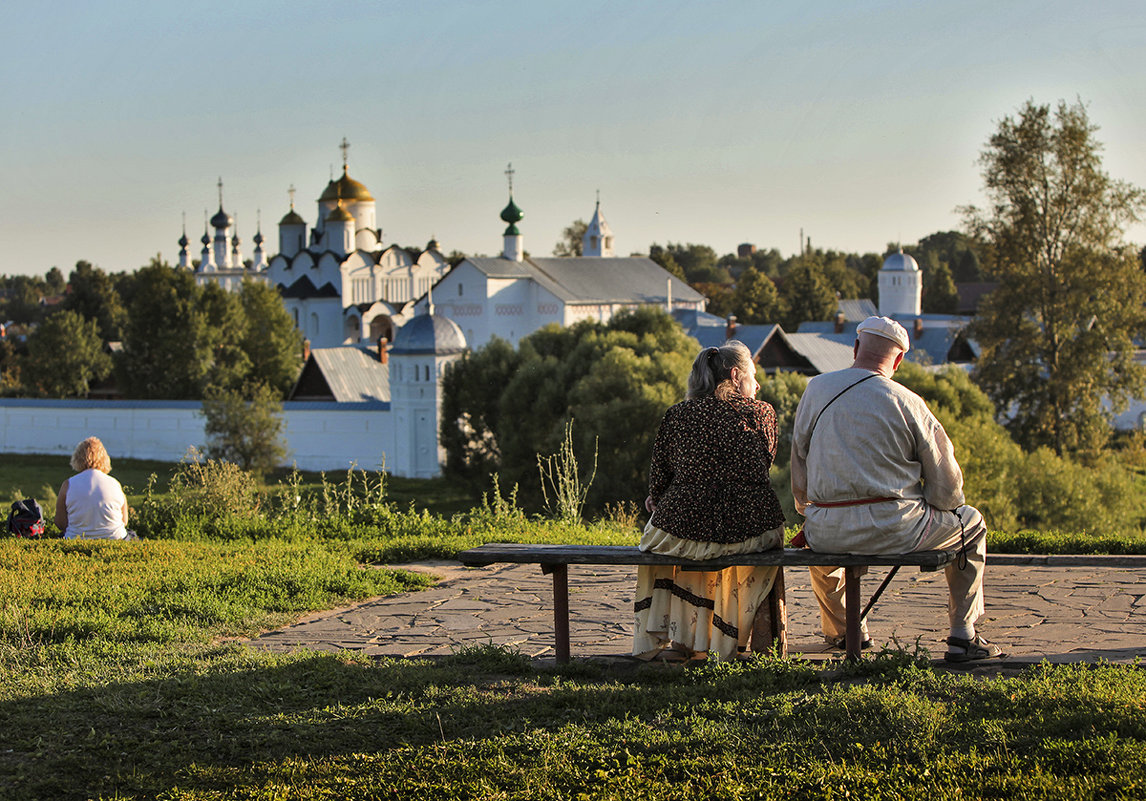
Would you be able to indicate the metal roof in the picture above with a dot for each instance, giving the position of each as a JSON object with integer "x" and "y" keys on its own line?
{"x": 856, "y": 310}
{"x": 632, "y": 279}
{"x": 826, "y": 352}
{"x": 352, "y": 372}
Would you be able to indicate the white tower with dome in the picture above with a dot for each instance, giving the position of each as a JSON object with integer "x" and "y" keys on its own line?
{"x": 900, "y": 286}
{"x": 422, "y": 349}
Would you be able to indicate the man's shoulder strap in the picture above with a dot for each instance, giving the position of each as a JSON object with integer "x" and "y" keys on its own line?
{"x": 836, "y": 397}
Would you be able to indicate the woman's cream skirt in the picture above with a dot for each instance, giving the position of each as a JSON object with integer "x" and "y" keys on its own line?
{"x": 694, "y": 612}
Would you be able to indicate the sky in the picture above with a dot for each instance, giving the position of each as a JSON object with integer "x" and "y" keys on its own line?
{"x": 859, "y": 123}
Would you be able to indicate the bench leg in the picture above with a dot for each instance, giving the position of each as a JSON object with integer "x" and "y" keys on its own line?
{"x": 560, "y": 610}
{"x": 770, "y": 627}
{"x": 853, "y": 632}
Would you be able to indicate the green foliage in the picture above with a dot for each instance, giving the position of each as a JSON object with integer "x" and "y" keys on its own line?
{"x": 806, "y": 295}
{"x": 756, "y": 299}
{"x": 93, "y": 295}
{"x": 616, "y": 380}
{"x": 572, "y": 239}
{"x": 783, "y": 390}
{"x": 471, "y": 396}
{"x": 1058, "y": 334}
{"x": 666, "y": 260}
{"x": 269, "y": 339}
{"x": 65, "y": 355}
{"x": 245, "y": 427}
{"x": 164, "y": 340}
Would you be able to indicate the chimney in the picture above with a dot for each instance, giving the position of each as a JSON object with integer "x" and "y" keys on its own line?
{"x": 918, "y": 328}
{"x": 383, "y": 350}
{"x": 730, "y": 327}
{"x": 305, "y": 350}
{"x": 839, "y": 326}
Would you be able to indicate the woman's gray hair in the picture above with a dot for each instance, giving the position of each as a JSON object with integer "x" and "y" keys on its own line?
{"x": 713, "y": 367}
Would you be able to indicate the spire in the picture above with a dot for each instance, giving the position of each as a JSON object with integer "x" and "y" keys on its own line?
{"x": 184, "y": 259}
{"x": 597, "y": 241}
{"x": 514, "y": 248}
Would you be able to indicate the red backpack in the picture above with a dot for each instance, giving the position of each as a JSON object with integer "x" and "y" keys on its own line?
{"x": 26, "y": 519}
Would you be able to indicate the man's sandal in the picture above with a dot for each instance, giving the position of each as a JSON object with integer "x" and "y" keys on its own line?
{"x": 970, "y": 650}
{"x": 841, "y": 643}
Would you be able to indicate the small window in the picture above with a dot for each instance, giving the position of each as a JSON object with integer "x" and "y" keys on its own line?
{"x": 593, "y": 242}
{"x": 459, "y": 290}
{"x": 427, "y": 372}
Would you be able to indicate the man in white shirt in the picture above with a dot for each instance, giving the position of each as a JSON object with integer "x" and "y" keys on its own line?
{"x": 874, "y": 472}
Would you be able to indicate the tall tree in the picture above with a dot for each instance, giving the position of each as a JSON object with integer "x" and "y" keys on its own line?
{"x": 166, "y": 351}
{"x": 1057, "y": 336}
{"x": 571, "y": 239}
{"x": 755, "y": 299}
{"x": 92, "y": 294}
{"x": 226, "y": 326}
{"x": 806, "y": 295}
{"x": 65, "y": 354}
{"x": 271, "y": 342}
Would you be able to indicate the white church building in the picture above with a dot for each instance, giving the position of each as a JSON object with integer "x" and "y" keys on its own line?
{"x": 382, "y": 324}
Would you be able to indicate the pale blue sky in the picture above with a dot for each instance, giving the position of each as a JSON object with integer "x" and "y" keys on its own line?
{"x": 717, "y": 123}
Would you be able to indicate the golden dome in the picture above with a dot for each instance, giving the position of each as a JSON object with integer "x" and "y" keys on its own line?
{"x": 346, "y": 188}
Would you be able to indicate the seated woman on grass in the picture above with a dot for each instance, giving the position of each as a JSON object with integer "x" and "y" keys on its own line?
{"x": 709, "y": 495}
{"x": 91, "y": 504}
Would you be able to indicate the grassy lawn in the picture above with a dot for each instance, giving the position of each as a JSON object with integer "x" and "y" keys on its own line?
{"x": 120, "y": 678}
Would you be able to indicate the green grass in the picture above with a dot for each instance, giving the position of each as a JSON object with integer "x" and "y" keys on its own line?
{"x": 118, "y": 679}
{"x": 27, "y": 476}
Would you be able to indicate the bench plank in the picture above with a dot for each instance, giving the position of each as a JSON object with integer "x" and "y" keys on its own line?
{"x": 631, "y": 555}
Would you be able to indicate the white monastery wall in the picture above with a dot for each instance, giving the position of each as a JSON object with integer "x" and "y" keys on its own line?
{"x": 319, "y": 436}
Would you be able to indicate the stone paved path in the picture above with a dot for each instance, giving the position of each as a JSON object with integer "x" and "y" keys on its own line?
{"x": 1034, "y": 613}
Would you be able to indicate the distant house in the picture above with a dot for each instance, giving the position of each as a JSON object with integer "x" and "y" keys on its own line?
{"x": 348, "y": 374}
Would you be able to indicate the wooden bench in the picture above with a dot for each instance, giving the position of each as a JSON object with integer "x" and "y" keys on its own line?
{"x": 770, "y": 626}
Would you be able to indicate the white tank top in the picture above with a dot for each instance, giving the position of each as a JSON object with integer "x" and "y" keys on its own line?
{"x": 95, "y": 504}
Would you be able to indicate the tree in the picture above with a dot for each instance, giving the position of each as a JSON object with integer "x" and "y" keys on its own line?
{"x": 806, "y": 295}
{"x": 571, "y": 239}
{"x": 614, "y": 381}
{"x": 65, "y": 354}
{"x": 939, "y": 293}
{"x": 93, "y": 295}
{"x": 755, "y": 299}
{"x": 23, "y": 301}
{"x": 270, "y": 340}
{"x": 471, "y": 396}
{"x": 224, "y": 332}
{"x": 665, "y": 260}
{"x": 244, "y": 426}
{"x": 54, "y": 282}
{"x": 1057, "y": 336}
{"x": 166, "y": 352}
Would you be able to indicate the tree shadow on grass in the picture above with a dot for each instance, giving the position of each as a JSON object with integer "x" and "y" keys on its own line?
{"x": 210, "y": 723}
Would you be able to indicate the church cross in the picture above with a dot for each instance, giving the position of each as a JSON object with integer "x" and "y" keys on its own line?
{"x": 220, "y": 185}
{"x": 291, "y": 192}
{"x": 345, "y": 148}
{"x": 509, "y": 174}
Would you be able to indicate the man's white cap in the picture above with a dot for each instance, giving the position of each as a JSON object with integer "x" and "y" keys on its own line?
{"x": 887, "y": 328}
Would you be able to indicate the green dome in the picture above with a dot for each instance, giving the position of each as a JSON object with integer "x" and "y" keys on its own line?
{"x": 511, "y": 213}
